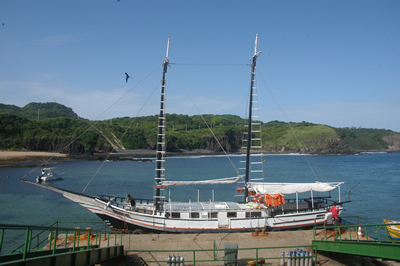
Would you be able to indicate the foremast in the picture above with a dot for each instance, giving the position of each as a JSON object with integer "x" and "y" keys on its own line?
{"x": 159, "y": 190}
{"x": 252, "y": 141}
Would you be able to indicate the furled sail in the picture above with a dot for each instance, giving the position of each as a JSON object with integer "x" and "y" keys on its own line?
{"x": 228, "y": 180}
{"x": 290, "y": 188}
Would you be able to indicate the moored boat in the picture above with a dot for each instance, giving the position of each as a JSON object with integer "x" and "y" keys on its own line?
{"x": 48, "y": 175}
{"x": 393, "y": 228}
{"x": 260, "y": 204}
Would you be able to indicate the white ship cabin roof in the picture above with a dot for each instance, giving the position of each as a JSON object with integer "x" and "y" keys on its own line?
{"x": 228, "y": 180}
{"x": 291, "y": 188}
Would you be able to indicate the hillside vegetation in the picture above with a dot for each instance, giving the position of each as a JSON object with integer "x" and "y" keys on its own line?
{"x": 41, "y": 110}
{"x": 58, "y": 127}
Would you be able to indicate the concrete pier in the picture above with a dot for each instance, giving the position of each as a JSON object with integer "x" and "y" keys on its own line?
{"x": 207, "y": 242}
{"x": 179, "y": 242}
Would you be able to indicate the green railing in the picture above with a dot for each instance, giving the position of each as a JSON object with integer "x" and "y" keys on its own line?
{"x": 362, "y": 238}
{"x": 54, "y": 238}
{"x": 55, "y": 224}
{"x": 377, "y": 233}
{"x": 253, "y": 256}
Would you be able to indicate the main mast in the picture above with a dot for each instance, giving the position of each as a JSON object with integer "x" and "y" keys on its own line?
{"x": 159, "y": 191}
{"x": 250, "y": 114}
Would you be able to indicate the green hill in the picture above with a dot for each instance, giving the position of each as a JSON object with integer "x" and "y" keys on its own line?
{"x": 58, "y": 127}
{"x": 39, "y": 110}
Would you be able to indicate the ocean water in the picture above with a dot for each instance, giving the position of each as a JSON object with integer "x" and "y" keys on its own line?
{"x": 374, "y": 198}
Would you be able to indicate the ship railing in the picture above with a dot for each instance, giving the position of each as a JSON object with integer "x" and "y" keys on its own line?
{"x": 226, "y": 256}
{"x": 123, "y": 199}
{"x": 53, "y": 238}
{"x": 305, "y": 205}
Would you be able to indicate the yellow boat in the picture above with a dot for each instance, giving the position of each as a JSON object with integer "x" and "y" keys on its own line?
{"x": 394, "y": 229}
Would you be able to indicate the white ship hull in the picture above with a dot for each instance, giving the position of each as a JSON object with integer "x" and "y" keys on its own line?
{"x": 121, "y": 216}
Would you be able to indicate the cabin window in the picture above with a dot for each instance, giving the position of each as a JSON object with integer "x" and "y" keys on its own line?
{"x": 213, "y": 215}
{"x": 231, "y": 215}
{"x": 176, "y": 215}
{"x": 194, "y": 215}
{"x": 253, "y": 214}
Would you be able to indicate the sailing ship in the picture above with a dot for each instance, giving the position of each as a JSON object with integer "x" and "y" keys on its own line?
{"x": 261, "y": 205}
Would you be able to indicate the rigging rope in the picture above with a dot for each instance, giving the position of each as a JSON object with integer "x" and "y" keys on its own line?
{"x": 194, "y": 64}
{"x": 109, "y": 109}
{"x": 209, "y": 128}
{"x": 133, "y": 120}
{"x": 293, "y": 131}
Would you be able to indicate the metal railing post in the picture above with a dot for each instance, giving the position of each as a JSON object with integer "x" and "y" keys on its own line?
{"x": 79, "y": 237}
{"x": 55, "y": 242}
{"x": 366, "y": 232}
{"x": 256, "y": 256}
{"x": 315, "y": 260}
{"x": 88, "y": 239}
{"x": 26, "y": 244}
{"x": 74, "y": 241}
{"x": 66, "y": 238}
{"x": 214, "y": 250}
{"x": 1, "y": 238}
{"x": 379, "y": 235}
{"x": 29, "y": 240}
{"x": 98, "y": 238}
{"x": 386, "y": 231}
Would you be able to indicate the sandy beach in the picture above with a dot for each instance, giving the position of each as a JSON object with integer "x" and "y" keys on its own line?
{"x": 28, "y": 155}
{"x": 31, "y": 156}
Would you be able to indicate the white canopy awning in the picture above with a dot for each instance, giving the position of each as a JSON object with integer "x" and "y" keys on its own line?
{"x": 290, "y": 188}
{"x": 228, "y": 180}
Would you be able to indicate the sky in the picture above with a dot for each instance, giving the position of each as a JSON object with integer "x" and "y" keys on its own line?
{"x": 331, "y": 62}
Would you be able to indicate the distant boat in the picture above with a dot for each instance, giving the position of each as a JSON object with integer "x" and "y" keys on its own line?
{"x": 48, "y": 175}
{"x": 261, "y": 205}
{"x": 393, "y": 227}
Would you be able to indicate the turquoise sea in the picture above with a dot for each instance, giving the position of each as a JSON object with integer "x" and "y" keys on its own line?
{"x": 375, "y": 198}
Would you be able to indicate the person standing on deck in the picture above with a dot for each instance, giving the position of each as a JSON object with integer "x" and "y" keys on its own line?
{"x": 335, "y": 212}
{"x": 131, "y": 200}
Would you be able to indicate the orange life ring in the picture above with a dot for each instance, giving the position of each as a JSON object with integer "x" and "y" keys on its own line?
{"x": 257, "y": 198}
{"x": 240, "y": 189}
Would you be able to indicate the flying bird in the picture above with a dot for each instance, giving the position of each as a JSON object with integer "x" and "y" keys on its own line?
{"x": 127, "y": 77}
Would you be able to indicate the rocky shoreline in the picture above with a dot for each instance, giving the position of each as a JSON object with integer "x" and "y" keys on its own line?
{"x": 141, "y": 155}
{"x": 145, "y": 155}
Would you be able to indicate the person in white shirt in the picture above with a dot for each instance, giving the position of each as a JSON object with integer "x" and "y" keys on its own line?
{"x": 328, "y": 218}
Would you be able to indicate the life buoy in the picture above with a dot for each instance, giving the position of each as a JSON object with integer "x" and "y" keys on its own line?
{"x": 257, "y": 198}
{"x": 240, "y": 189}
